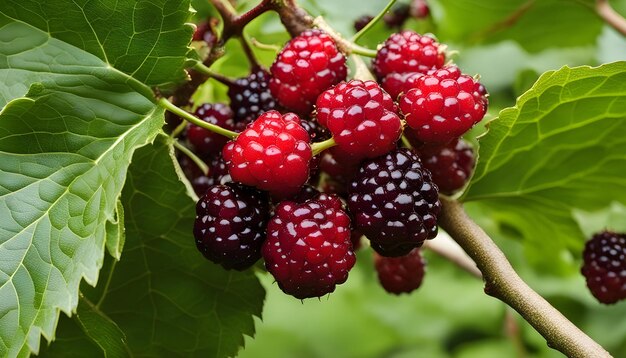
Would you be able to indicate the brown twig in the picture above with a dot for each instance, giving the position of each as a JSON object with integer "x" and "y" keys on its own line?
{"x": 502, "y": 282}
{"x": 507, "y": 22}
{"x": 610, "y": 16}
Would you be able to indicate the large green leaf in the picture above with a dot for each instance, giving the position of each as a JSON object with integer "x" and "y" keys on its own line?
{"x": 64, "y": 152}
{"x": 560, "y": 148}
{"x": 535, "y": 25}
{"x": 166, "y": 298}
{"x": 147, "y": 39}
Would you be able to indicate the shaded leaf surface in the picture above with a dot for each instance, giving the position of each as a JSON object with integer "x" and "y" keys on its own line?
{"x": 560, "y": 148}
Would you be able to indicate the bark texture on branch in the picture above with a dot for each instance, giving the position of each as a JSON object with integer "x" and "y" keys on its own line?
{"x": 503, "y": 283}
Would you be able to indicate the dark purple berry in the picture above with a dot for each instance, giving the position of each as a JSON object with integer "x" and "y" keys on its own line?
{"x": 604, "y": 266}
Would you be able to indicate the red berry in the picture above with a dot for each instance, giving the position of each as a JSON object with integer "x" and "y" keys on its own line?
{"x": 443, "y": 105}
{"x": 307, "y": 65}
{"x": 204, "y": 142}
{"x": 419, "y": 9}
{"x": 604, "y": 266}
{"x": 450, "y": 166}
{"x": 230, "y": 225}
{"x": 398, "y": 83}
{"x": 272, "y": 154}
{"x": 408, "y": 51}
{"x": 361, "y": 117}
{"x": 308, "y": 248}
{"x": 402, "y": 274}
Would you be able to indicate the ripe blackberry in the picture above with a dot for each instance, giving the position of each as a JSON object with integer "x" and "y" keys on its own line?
{"x": 394, "y": 202}
{"x": 308, "y": 248}
{"x": 450, "y": 166}
{"x": 361, "y": 117}
{"x": 398, "y": 83}
{"x": 230, "y": 225}
{"x": 408, "y": 51}
{"x": 443, "y": 105}
{"x": 306, "y": 66}
{"x": 204, "y": 142}
{"x": 402, "y": 274}
{"x": 362, "y": 21}
{"x": 604, "y": 266}
{"x": 272, "y": 154}
{"x": 205, "y": 31}
{"x": 218, "y": 173}
{"x": 250, "y": 97}
{"x": 397, "y": 17}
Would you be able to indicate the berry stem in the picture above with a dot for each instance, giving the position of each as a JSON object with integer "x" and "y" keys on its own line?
{"x": 200, "y": 67}
{"x": 361, "y": 71}
{"x": 319, "y": 147}
{"x": 179, "y": 129}
{"x": 503, "y": 283}
{"x": 369, "y": 25}
{"x": 195, "y": 120}
{"x": 267, "y": 47}
{"x": 359, "y": 50}
{"x": 254, "y": 63}
{"x": 346, "y": 46}
{"x": 186, "y": 151}
{"x": 444, "y": 246}
{"x": 610, "y": 16}
{"x": 406, "y": 142}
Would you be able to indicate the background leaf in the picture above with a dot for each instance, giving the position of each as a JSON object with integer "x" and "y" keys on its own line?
{"x": 166, "y": 298}
{"x": 559, "y": 148}
{"x": 535, "y": 25}
{"x": 146, "y": 39}
{"x": 64, "y": 151}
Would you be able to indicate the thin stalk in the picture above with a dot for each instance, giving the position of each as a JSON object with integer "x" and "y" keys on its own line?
{"x": 179, "y": 129}
{"x": 610, "y": 16}
{"x": 195, "y": 120}
{"x": 200, "y": 67}
{"x": 369, "y": 25}
{"x": 319, "y": 147}
{"x": 186, "y": 151}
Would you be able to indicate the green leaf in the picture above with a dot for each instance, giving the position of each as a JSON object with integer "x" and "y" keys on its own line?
{"x": 64, "y": 152}
{"x": 166, "y": 298}
{"x": 530, "y": 23}
{"x": 147, "y": 39}
{"x": 101, "y": 329}
{"x": 560, "y": 148}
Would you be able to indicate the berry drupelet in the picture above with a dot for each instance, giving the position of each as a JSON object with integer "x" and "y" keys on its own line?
{"x": 306, "y": 66}
{"x": 408, "y": 51}
{"x": 308, "y": 248}
{"x": 361, "y": 117}
{"x": 450, "y": 166}
{"x": 250, "y": 97}
{"x": 443, "y": 105}
{"x": 204, "y": 142}
{"x": 272, "y": 154}
{"x": 230, "y": 225}
{"x": 402, "y": 274}
{"x": 604, "y": 266}
{"x": 394, "y": 202}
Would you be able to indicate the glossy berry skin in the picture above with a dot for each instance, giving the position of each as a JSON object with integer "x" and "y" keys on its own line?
{"x": 230, "y": 225}
{"x": 307, "y": 65}
{"x": 604, "y": 266}
{"x": 308, "y": 248}
{"x": 443, "y": 105}
{"x": 272, "y": 154}
{"x": 408, "y": 51}
{"x": 394, "y": 202}
{"x": 250, "y": 97}
{"x": 398, "y": 83}
{"x": 450, "y": 166}
{"x": 204, "y": 142}
{"x": 402, "y": 274}
{"x": 362, "y": 118}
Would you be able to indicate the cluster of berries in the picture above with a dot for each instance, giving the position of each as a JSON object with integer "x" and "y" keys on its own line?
{"x": 302, "y": 121}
